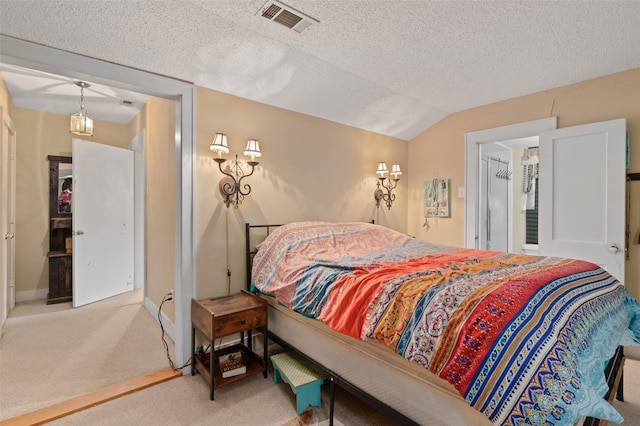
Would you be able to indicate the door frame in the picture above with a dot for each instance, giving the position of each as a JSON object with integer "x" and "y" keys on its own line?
{"x": 31, "y": 55}
{"x": 8, "y": 182}
{"x": 473, "y": 140}
{"x": 139, "y": 147}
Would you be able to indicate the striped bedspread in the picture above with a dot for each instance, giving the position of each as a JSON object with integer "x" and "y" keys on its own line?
{"x": 524, "y": 339}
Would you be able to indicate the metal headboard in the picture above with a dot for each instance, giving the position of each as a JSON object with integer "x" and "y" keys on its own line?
{"x": 250, "y": 248}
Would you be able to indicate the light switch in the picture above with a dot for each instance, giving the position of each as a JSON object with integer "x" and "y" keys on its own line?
{"x": 461, "y": 192}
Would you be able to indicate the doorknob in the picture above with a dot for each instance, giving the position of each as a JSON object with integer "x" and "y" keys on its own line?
{"x": 78, "y": 232}
{"x": 8, "y": 236}
{"x": 613, "y": 248}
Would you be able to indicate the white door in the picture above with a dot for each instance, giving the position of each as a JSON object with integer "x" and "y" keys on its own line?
{"x": 582, "y": 194}
{"x": 102, "y": 207}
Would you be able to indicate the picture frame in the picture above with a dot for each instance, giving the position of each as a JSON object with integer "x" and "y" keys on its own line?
{"x": 436, "y": 198}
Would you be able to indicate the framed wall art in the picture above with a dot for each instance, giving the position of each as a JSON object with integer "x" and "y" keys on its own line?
{"x": 436, "y": 198}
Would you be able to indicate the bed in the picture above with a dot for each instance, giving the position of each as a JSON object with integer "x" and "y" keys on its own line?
{"x": 432, "y": 334}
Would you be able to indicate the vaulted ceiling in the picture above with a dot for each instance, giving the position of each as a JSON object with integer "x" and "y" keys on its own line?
{"x": 392, "y": 67}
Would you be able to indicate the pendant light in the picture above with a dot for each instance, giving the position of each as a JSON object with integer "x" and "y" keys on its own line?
{"x": 80, "y": 123}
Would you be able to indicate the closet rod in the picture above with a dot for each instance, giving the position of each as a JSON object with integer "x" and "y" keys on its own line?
{"x": 499, "y": 160}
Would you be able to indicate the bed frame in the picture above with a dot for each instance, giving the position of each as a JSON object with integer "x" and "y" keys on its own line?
{"x": 613, "y": 372}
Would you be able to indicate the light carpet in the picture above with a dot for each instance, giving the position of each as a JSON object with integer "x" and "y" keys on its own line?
{"x": 49, "y": 353}
{"x": 52, "y": 353}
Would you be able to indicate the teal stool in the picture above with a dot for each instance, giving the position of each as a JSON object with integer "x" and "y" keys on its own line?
{"x": 304, "y": 381}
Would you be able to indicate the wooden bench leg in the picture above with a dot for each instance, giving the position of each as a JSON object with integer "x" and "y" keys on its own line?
{"x": 308, "y": 396}
{"x": 304, "y": 382}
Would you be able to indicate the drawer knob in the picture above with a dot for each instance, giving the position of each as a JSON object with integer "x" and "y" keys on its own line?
{"x": 243, "y": 321}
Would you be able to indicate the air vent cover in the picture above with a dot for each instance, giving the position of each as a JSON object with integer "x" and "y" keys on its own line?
{"x": 286, "y": 15}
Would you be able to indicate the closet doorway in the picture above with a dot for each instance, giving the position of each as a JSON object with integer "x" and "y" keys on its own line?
{"x": 580, "y": 218}
{"x": 507, "y": 196}
{"x": 507, "y": 145}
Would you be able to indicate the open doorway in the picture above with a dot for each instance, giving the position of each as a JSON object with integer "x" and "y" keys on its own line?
{"x": 38, "y": 57}
{"x": 566, "y": 228}
{"x": 507, "y": 190}
{"x": 506, "y": 145}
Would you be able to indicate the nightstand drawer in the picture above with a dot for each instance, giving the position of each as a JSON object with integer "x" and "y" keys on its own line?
{"x": 240, "y": 321}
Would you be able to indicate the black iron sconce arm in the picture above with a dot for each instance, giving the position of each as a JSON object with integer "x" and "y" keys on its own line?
{"x": 384, "y": 191}
{"x": 231, "y": 186}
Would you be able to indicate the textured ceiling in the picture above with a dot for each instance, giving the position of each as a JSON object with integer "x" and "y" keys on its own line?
{"x": 32, "y": 89}
{"x": 393, "y": 67}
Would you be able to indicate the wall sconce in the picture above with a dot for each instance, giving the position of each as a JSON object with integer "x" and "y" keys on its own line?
{"x": 386, "y": 184}
{"x": 230, "y": 185}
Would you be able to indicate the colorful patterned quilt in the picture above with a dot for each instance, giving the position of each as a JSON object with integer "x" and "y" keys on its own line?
{"x": 524, "y": 339}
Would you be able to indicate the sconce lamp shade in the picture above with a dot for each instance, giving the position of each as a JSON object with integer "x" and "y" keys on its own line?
{"x": 81, "y": 124}
{"x": 219, "y": 144}
{"x": 395, "y": 171}
{"x": 253, "y": 150}
{"x": 382, "y": 169}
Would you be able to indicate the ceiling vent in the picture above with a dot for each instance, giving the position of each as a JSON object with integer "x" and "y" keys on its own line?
{"x": 286, "y": 15}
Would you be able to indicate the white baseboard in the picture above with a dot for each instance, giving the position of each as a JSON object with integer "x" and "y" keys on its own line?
{"x": 168, "y": 326}
{"x": 28, "y": 295}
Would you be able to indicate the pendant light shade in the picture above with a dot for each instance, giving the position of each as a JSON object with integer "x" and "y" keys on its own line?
{"x": 81, "y": 124}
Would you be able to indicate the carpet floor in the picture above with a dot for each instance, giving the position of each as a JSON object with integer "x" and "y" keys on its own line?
{"x": 50, "y": 353}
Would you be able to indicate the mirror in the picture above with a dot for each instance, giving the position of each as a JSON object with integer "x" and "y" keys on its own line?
{"x": 65, "y": 186}
{"x": 60, "y": 186}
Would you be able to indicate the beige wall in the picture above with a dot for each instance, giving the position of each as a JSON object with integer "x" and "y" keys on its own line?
{"x": 6, "y": 102}
{"x": 311, "y": 169}
{"x": 158, "y": 118}
{"x": 439, "y": 151}
{"x": 40, "y": 134}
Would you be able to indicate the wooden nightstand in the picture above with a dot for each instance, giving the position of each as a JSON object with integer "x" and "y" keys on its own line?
{"x": 222, "y": 316}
